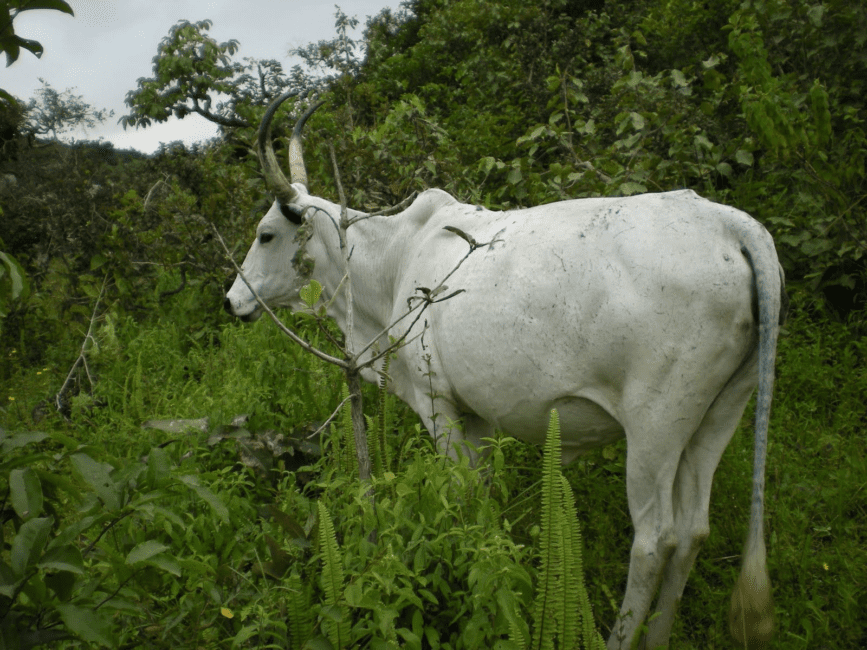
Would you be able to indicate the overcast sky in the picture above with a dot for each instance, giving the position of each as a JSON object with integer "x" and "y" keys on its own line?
{"x": 110, "y": 44}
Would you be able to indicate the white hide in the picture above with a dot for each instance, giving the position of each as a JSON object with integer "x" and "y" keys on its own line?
{"x": 631, "y": 316}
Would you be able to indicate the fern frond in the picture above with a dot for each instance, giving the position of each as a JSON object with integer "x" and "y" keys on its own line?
{"x": 373, "y": 445}
{"x": 570, "y": 535}
{"x": 518, "y": 631}
{"x": 298, "y": 611}
{"x": 562, "y": 612}
{"x": 549, "y": 591}
{"x": 337, "y": 628}
{"x": 579, "y": 600}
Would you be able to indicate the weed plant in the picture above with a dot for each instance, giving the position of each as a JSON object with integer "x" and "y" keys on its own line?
{"x": 120, "y": 536}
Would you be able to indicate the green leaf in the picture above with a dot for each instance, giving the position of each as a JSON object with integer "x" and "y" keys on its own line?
{"x": 310, "y": 293}
{"x": 629, "y": 188}
{"x": 815, "y": 247}
{"x": 28, "y": 543}
{"x": 246, "y": 633}
{"x": 319, "y": 643}
{"x": 679, "y": 78}
{"x": 10, "y": 46}
{"x": 62, "y": 558}
{"x": 206, "y": 495}
{"x": 549, "y": 590}
{"x": 145, "y": 551}
{"x": 9, "y": 581}
{"x": 711, "y": 62}
{"x": 26, "y": 493}
{"x": 514, "y": 177}
{"x": 13, "y": 102}
{"x": 165, "y": 562}
{"x": 288, "y": 523}
{"x": 71, "y": 532}
{"x": 744, "y": 157}
{"x": 539, "y": 130}
{"x": 815, "y": 14}
{"x": 486, "y": 164}
{"x": 13, "y": 48}
{"x": 702, "y": 141}
{"x": 159, "y": 467}
{"x": 96, "y": 261}
{"x": 57, "y": 5}
{"x": 87, "y": 624}
{"x": 17, "y": 277}
{"x": 61, "y": 583}
{"x": 281, "y": 561}
{"x": 98, "y": 476}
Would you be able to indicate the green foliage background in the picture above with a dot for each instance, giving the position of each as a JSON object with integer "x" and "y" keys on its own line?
{"x": 113, "y": 533}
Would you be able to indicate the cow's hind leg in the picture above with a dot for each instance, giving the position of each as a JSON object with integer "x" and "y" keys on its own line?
{"x": 692, "y": 490}
{"x": 652, "y": 459}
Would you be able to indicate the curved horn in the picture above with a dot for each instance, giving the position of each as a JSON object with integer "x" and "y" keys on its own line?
{"x": 274, "y": 177}
{"x": 297, "y": 171}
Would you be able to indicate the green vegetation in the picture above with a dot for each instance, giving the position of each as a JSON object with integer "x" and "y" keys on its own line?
{"x": 250, "y": 533}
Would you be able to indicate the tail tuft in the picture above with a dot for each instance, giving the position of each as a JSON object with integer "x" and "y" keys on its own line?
{"x": 751, "y": 617}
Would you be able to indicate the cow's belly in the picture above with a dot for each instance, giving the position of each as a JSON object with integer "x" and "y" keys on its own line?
{"x": 584, "y": 424}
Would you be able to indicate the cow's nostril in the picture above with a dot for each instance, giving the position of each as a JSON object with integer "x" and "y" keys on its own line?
{"x": 227, "y": 305}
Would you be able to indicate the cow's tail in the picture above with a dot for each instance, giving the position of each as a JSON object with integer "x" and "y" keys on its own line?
{"x": 751, "y": 617}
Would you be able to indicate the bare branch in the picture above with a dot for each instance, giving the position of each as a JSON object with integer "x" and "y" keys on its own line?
{"x": 58, "y": 399}
{"x": 423, "y": 302}
{"x": 330, "y": 418}
{"x": 151, "y": 191}
{"x": 386, "y": 329}
{"x": 460, "y": 233}
{"x": 387, "y": 212}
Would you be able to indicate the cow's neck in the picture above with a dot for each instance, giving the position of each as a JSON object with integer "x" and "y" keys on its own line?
{"x": 373, "y": 266}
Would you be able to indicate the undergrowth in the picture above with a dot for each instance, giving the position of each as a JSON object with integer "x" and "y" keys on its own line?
{"x": 124, "y": 536}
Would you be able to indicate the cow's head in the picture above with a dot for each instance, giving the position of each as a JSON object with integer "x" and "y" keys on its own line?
{"x": 276, "y": 265}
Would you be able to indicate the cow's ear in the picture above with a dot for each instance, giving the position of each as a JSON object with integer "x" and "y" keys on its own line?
{"x": 290, "y": 213}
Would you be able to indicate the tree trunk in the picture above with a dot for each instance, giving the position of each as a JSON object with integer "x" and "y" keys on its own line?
{"x": 353, "y": 382}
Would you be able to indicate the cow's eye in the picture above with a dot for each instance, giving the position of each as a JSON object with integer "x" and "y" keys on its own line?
{"x": 265, "y": 237}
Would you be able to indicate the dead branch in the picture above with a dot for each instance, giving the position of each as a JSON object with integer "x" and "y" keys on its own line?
{"x": 82, "y": 354}
{"x": 330, "y": 418}
{"x": 387, "y": 212}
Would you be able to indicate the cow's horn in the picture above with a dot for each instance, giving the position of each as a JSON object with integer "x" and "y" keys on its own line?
{"x": 274, "y": 177}
{"x": 297, "y": 171}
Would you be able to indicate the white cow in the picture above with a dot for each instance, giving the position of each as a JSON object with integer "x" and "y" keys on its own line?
{"x": 652, "y": 317}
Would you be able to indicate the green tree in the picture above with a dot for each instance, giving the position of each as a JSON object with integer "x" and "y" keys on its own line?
{"x": 53, "y": 113}
{"x": 191, "y": 70}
